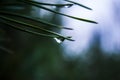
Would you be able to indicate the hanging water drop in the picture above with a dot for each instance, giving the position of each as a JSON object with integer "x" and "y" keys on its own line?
{"x": 59, "y": 39}
{"x": 63, "y": 5}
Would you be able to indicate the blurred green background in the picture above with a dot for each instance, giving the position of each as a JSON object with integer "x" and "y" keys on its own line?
{"x": 30, "y": 57}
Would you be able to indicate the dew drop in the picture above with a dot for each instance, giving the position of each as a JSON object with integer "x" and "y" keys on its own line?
{"x": 54, "y": 7}
{"x": 59, "y": 39}
{"x": 63, "y": 6}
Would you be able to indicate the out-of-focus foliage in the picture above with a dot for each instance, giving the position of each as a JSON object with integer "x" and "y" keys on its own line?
{"x": 44, "y": 65}
{"x": 39, "y": 58}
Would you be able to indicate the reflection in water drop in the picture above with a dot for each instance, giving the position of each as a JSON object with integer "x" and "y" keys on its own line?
{"x": 59, "y": 40}
{"x": 64, "y": 5}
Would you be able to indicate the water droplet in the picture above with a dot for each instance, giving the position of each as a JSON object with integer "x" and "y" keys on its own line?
{"x": 63, "y": 6}
{"x": 68, "y": 5}
{"x": 59, "y": 39}
{"x": 54, "y": 7}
